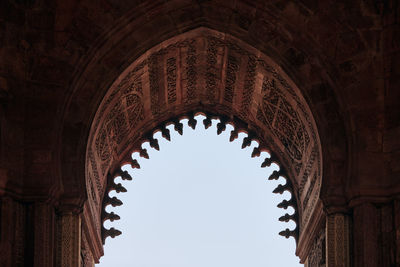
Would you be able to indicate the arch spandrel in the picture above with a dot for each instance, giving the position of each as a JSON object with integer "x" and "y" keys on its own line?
{"x": 208, "y": 71}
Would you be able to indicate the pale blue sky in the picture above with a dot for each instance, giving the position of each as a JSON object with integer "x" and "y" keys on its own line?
{"x": 200, "y": 201}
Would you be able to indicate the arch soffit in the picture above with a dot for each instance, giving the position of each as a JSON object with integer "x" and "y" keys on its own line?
{"x": 215, "y": 73}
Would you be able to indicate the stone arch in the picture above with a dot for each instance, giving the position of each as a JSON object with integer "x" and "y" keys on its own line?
{"x": 265, "y": 28}
{"x": 206, "y": 71}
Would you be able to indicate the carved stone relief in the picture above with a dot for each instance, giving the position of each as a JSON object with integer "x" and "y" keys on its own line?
{"x": 317, "y": 255}
{"x": 191, "y": 72}
{"x": 338, "y": 240}
{"x": 248, "y": 87}
{"x": 276, "y": 112}
{"x": 68, "y": 240}
{"x": 154, "y": 84}
{"x": 171, "y": 79}
{"x": 209, "y": 70}
{"x": 231, "y": 73}
{"x": 86, "y": 255}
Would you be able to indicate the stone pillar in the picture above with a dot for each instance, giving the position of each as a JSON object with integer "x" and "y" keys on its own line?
{"x": 44, "y": 220}
{"x": 387, "y": 235}
{"x": 376, "y": 234}
{"x": 366, "y": 217}
{"x": 338, "y": 240}
{"x": 12, "y": 233}
{"x": 69, "y": 239}
{"x": 397, "y": 230}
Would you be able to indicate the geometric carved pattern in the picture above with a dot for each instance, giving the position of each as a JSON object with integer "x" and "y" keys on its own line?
{"x": 154, "y": 84}
{"x": 317, "y": 254}
{"x": 249, "y": 84}
{"x": 277, "y": 113}
{"x": 86, "y": 255}
{"x": 102, "y": 146}
{"x": 191, "y": 73}
{"x": 307, "y": 196}
{"x": 116, "y": 124}
{"x": 135, "y": 109}
{"x": 233, "y": 67}
{"x": 338, "y": 240}
{"x": 308, "y": 169}
{"x": 69, "y": 245}
{"x": 171, "y": 79}
{"x": 94, "y": 172}
{"x": 211, "y": 71}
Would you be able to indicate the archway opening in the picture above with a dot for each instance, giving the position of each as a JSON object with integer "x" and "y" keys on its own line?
{"x": 221, "y": 77}
{"x": 200, "y": 201}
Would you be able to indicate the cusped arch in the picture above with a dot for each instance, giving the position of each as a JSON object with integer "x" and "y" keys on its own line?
{"x": 206, "y": 71}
